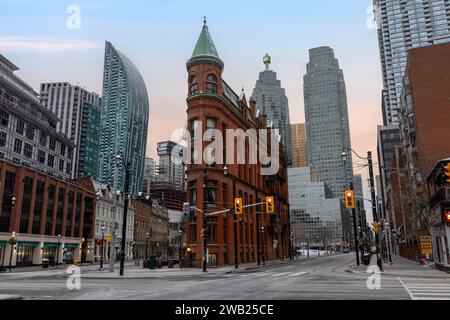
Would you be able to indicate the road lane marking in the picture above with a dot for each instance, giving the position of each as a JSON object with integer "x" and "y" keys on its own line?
{"x": 297, "y": 274}
{"x": 280, "y": 274}
{"x": 406, "y": 288}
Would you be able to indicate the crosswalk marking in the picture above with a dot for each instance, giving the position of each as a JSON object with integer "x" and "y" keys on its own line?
{"x": 280, "y": 274}
{"x": 427, "y": 291}
{"x": 270, "y": 274}
{"x": 298, "y": 274}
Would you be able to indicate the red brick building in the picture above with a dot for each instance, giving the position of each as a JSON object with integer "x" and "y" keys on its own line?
{"x": 37, "y": 208}
{"x": 425, "y": 119}
{"x": 212, "y": 104}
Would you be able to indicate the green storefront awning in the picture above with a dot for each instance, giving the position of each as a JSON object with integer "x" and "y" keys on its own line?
{"x": 50, "y": 245}
{"x": 3, "y": 243}
{"x": 71, "y": 245}
{"x": 27, "y": 244}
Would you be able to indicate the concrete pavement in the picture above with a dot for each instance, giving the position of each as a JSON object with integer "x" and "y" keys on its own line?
{"x": 402, "y": 267}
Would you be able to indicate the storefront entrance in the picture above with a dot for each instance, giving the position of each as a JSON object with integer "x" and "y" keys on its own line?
{"x": 69, "y": 252}
{"x": 2, "y": 254}
{"x": 25, "y": 253}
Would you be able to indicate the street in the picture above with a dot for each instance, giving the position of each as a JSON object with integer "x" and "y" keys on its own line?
{"x": 320, "y": 278}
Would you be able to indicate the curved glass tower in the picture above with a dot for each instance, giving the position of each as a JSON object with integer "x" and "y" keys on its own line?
{"x": 124, "y": 121}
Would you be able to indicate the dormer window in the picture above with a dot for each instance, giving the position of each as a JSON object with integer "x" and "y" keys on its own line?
{"x": 211, "y": 84}
{"x": 193, "y": 85}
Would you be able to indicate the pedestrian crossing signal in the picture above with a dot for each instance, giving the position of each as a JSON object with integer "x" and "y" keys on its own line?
{"x": 238, "y": 205}
{"x": 349, "y": 199}
{"x": 270, "y": 205}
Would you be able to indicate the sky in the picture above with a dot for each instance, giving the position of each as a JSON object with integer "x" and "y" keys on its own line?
{"x": 48, "y": 45}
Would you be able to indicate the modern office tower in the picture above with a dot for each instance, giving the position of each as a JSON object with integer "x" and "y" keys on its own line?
{"x": 388, "y": 139}
{"x": 169, "y": 186}
{"x": 124, "y": 122}
{"x": 45, "y": 212}
{"x": 150, "y": 172}
{"x": 359, "y": 201}
{"x": 28, "y": 135}
{"x": 299, "y": 147}
{"x": 406, "y": 24}
{"x": 170, "y": 169}
{"x": 272, "y": 101}
{"x": 315, "y": 214}
{"x": 78, "y": 111}
{"x": 327, "y": 125}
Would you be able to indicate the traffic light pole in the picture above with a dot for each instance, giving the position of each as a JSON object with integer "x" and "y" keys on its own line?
{"x": 374, "y": 210}
{"x": 125, "y": 216}
{"x": 233, "y": 212}
{"x": 355, "y": 230}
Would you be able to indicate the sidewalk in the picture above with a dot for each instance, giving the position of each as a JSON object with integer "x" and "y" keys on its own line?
{"x": 401, "y": 267}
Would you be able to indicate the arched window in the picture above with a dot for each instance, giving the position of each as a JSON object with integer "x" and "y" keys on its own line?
{"x": 211, "y": 84}
{"x": 193, "y": 85}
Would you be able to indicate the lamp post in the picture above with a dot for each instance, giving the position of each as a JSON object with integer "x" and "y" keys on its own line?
{"x": 264, "y": 244}
{"x": 146, "y": 246}
{"x": 118, "y": 160}
{"x": 205, "y": 224}
{"x": 12, "y": 241}
{"x": 57, "y": 252}
{"x": 180, "y": 234}
{"x": 101, "y": 248}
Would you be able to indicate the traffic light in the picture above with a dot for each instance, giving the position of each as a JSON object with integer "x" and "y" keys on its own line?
{"x": 349, "y": 199}
{"x": 238, "y": 206}
{"x": 203, "y": 233}
{"x": 270, "y": 205}
{"x": 376, "y": 227}
{"x": 447, "y": 216}
{"x": 446, "y": 173}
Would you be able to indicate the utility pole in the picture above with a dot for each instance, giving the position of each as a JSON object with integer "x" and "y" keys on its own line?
{"x": 117, "y": 160}
{"x": 125, "y": 214}
{"x": 258, "y": 250}
{"x": 374, "y": 210}
{"x": 355, "y": 229}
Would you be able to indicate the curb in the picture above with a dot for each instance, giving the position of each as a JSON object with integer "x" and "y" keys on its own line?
{"x": 349, "y": 270}
{"x": 10, "y": 297}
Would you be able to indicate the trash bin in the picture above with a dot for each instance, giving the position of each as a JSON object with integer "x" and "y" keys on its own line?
{"x": 365, "y": 258}
{"x": 152, "y": 262}
{"x": 170, "y": 264}
{"x": 45, "y": 263}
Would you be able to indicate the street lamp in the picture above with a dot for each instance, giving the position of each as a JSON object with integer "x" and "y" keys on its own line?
{"x": 101, "y": 248}
{"x": 57, "y": 253}
{"x": 12, "y": 241}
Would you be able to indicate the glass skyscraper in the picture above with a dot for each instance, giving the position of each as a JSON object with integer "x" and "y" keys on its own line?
{"x": 402, "y": 25}
{"x": 327, "y": 125}
{"x": 124, "y": 119}
{"x": 272, "y": 101}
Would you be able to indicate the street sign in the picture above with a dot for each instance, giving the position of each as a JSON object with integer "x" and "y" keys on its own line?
{"x": 186, "y": 208}
{"x": 426, "y": 245}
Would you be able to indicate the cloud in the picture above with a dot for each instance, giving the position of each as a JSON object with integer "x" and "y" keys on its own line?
{"x": 42, "y": 45}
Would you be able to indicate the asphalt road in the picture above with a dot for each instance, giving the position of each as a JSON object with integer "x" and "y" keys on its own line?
{"x": 319, "y": 278}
